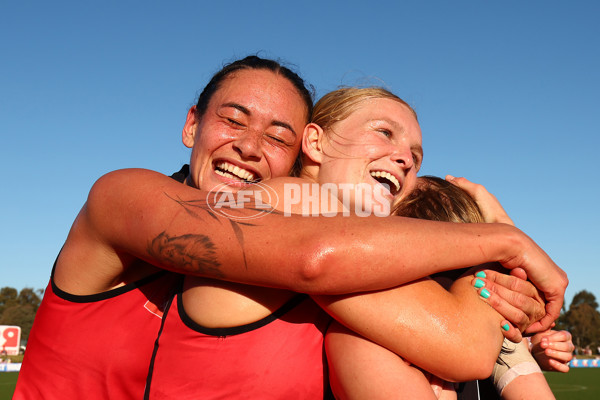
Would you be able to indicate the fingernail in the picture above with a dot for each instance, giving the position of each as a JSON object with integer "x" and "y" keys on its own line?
{"x": 484, "y": 293}
{"x": 506, "y": 327}
{"x": 450, "y": 177}
{"x": 479, "y": 283}
{"x": 480, "y": 274}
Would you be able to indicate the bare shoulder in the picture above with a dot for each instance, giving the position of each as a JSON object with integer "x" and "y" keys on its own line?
{"x": 93, "y": 258}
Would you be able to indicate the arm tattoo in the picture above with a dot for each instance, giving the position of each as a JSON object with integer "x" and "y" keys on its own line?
{"x": 194, "y": 253}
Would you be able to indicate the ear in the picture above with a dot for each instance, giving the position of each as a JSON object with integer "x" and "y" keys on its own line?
{"x": 188, "y": 134}
{"x": 312, "y": 142}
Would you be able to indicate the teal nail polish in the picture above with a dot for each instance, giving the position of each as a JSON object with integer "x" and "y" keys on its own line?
{"x": 505, "y": 327}
{"x": 480, "y": 274}
{"x": 484, "y": 293}
{"x": 479, "y": 283}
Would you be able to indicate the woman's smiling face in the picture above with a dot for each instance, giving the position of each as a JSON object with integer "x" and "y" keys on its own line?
{"x": 249, "y": 132}
{"x": 378, "y": 144}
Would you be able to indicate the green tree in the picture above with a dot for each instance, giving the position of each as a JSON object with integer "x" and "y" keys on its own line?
{"x": 582, "y": 320}
{"x": 585, "y": 297}
{"x": 19, "y": 308}
{"x": 8, "y": 298}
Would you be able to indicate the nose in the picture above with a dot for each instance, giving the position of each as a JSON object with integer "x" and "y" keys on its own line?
{"x": 404, "y": 157}
{"x": 248, "y": 146}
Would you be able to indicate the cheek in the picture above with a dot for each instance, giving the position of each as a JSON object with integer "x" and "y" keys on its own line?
{"x": 211, "y": 137}
{"x": 280, "y": 162}
{"x": 410, "y": 182}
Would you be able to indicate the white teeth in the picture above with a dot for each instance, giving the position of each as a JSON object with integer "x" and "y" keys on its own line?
{"x": 234, "y": 171}
{"x": 388, "y": 176}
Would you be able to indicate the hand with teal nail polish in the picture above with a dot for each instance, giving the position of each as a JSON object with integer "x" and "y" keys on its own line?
{"x": 479, "y": 283}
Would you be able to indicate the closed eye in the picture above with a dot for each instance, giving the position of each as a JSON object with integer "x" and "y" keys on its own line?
{"x": 279, "y": 140}
{"x": 234, "y": 122}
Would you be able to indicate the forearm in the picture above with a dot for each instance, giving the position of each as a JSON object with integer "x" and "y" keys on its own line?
{"x": 515, "y": 370}
{"x": 420, "y": 319}
{"x": 531, "y": 387}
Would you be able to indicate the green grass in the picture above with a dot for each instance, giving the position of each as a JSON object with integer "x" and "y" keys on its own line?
{"x": 8, "y": 381}
{"x": 577, "y": 384}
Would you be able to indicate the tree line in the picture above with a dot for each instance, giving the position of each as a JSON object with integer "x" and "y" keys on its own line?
{"x": 582, "y": 318}
{"x": 19, "y": 308}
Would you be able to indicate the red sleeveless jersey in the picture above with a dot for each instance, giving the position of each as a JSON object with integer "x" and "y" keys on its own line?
{"x": 97, "y": 346}
{"x": 278, "y": 357}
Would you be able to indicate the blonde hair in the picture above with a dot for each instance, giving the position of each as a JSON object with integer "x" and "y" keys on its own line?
{"x": 338, "y": 105}
{"x": 438, "y": 200}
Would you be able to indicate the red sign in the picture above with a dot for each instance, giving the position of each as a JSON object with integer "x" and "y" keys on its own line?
{"x": 10, "y": 339}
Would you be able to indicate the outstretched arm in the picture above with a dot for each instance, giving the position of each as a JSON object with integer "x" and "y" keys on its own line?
{"x": 137, "y": 214}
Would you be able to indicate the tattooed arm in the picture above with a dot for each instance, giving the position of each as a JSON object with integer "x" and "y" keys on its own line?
{"x": 133, "y": 217}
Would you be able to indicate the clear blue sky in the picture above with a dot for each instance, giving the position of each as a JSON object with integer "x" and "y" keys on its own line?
{"x": 507, "y": 95}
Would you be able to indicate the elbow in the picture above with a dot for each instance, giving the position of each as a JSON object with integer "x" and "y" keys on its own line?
{"x": 476, "y": 355}
{"x": 316, "y": 261}
{"x": 479, "y": 368}
{"x": 473, "y": 366}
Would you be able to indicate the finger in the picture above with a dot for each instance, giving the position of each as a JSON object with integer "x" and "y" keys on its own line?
{"x": 536, "y": 327}
{"x": 516, "y": 316}
{"x": 558, "y": 366}
{"x": 560, "y": 336}
{"x": 462, "y": 183}
{"x": 562, "y": 356}
{"x": 519, "y": 273}
{"x": 566, "y": 347}
{"x": 475, "y": 190}
{"x": 510, "y": 332}
{"x": 489, "y": 205}
{"x": 532, "y": 307}
{"x": 553, "y": 306}
{"x": 513, "y": 283}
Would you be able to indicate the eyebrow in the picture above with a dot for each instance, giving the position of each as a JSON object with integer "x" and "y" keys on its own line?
{"x": 389, "y": 121}
{"x": 248, "y": 112}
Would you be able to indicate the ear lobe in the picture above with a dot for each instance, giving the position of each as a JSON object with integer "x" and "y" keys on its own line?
{"x": 188, "y": 134}
{"x": 312, "y": 142}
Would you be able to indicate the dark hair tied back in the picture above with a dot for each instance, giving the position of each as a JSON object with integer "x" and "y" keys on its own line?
{"x": 254, "y": 62}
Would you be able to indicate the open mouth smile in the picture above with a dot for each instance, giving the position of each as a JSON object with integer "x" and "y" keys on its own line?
{"x": 388, "y": 180}
{"x": 231, "y": 171}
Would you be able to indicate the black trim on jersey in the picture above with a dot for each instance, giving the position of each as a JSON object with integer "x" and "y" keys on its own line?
{"x": 156, "y": 345}
{"x": 180, "y": 175}
{"x": 237, "y": 330}
{"x": 91, "y": 298}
